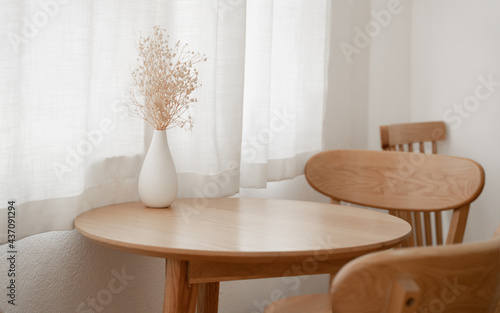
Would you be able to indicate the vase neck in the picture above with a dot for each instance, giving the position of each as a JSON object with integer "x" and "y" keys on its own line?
{"x": 159, "y": 138}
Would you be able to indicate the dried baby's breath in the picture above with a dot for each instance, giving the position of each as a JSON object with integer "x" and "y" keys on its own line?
{"x": 165, "y": 79}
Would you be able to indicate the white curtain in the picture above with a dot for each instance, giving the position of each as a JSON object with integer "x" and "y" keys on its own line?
{"x": 285, "y": 84}
{"x": 67, "y": 144}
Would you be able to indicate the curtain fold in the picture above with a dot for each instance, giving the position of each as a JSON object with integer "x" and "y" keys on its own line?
{"x": 285, "y": 82}
{"x": 68, "y": 144}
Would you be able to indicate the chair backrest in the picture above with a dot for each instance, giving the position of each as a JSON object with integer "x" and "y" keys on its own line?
{"x": 461, "y": 278}
{"x": 412, "y": 184}
{"x": 401, "y": 137}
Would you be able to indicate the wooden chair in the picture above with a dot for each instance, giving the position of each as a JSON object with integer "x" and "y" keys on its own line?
{"x": 401, "y": 137}
{"x": 410, "y": 185}
{"x": 456, "y": 278}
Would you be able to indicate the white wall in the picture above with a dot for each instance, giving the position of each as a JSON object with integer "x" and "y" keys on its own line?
{"x": 453, "y": 43}
{"x": 426, "y": 59}
{"x": 389, "y": 75}
{"x": 58, "y": 271}
{"x": 348, "y": 88}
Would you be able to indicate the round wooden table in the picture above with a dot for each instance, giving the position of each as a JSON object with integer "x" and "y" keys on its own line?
{"x": 206, "y": 241}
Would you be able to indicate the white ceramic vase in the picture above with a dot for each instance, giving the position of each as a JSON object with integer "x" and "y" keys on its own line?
{"x": 158, "y": 178}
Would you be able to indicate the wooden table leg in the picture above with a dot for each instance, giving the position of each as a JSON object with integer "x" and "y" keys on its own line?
{"x": 208, "y": 298}
{"x": 180, "y": 297}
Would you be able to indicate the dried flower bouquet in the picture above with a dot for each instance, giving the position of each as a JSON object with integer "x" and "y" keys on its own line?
{"x": 165, "y": 80}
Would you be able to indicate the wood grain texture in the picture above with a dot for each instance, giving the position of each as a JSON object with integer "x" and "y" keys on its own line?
{"x": 448, "y": 279}
{"x": 418, "y": 228}
{"x": 180, "y": 297}
{"x": 202, "y": 272}
{"x": 439, "y": 227}
{"x": 242, "y": 230}
{"x": 396, "y": 180}
{"x": 404, "y": 297}
{"x": 406, "y": 184}
{"x": 208, "y": 298}
{"x": 455, "y": 278}
{"x": 409, "y": 133}
{"x": 406, "y": 135}
{"x": 211, "y": 240}
{"x": 407, "y": 216}
{"x": 428, "y": 228}
{"x": 457, "y": 224}
{"x": 401, "y": 182}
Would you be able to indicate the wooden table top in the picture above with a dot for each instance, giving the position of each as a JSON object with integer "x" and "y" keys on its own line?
{"x": 233, "y": 229}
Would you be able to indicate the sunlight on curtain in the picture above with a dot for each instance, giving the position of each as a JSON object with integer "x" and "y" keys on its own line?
{"x": 285, "y": 82}
{"x": 67, "y": 143}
